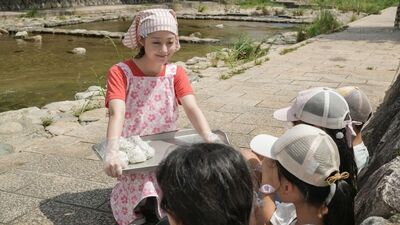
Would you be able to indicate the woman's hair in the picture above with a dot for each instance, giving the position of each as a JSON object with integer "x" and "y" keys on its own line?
{"x": 341, "y": 206}
{"x": 346, "y": 153}
{"x": 205, "y": 184}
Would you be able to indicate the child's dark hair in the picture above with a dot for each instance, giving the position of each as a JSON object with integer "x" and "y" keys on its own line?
{"x": 346, "y": 153}
{"x": 340, "y": 208}
{"x": 205, "y": 184}
{"x": 141, "y": 53}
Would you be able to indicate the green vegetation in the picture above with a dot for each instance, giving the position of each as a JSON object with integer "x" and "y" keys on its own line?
{"x": 201, "y": 8}
{"x": 366, "y": 6}
{"x": 298, "y": 12}
{"x": 256, "y": 3}
{"x": 245, "y": 50}
{"x": 62, "y": 17}
{"x": 46, "y": 121}
{"x": 354, "y": 17}
{"x": 325, "y": 23}
{"x": 287, "y": 50}
{"x": 32, "y": 13}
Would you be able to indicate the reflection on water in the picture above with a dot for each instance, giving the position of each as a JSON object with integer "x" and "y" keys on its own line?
{"x": 36, "y": 74}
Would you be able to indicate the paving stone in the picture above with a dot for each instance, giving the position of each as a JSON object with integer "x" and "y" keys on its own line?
{"x": 316, "y": 83}
{"x": 87, "y": 216}
{"x": 215, "y": 118}
{"x": 67, "y": 190}
{"x": 101, "y": 177}
{"x": 239, "y": 128}
{"x": 13, "y": 206}
{"x": 16, "y": 160}
{"x": 257, "y": 119}
{"x": 14, "y": 180}
{"x": 61, "y": 145}
{"x": 47, "y": 213}
{"x": 239, "y": 140}
{"x": 234, "y": 108}
{"x": 274, "y": 131}
{"x": 105, "y": 207}
{"x": 63, "y": 166}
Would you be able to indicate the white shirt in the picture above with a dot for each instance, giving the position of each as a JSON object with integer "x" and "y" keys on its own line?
{"x": 361, "y": 155}
{"x": 285, "y": 214}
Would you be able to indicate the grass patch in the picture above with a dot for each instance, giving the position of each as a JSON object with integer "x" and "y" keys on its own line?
{"x": 325, "y": 23}
{"x": 365, "y": 6}
{"x": 287, "y": 50}
{"x": 46, "y": 121}
{"x": 298, "y": 12}
{"x": 353, "y": 17}
{"x": 32, "y": 13}
{"x": 370, "y": 68}
{"x": 244, "y": 50}
{"x": 256, "y": 3}
{"x": 201, "y": 8}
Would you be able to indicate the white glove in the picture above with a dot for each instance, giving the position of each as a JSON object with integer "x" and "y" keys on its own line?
{"x": 114, "y": 159}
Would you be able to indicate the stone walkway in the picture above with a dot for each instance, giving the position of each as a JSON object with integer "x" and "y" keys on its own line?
{"x": 60, "y": 181}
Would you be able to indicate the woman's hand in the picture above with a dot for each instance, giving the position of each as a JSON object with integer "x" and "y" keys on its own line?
{"x": 114, "y": 163}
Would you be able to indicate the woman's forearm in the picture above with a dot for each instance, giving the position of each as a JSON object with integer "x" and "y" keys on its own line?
{"x": 195, "y": 115}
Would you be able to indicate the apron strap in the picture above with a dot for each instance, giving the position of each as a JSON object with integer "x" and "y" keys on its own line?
{"x": 170, "y": 70}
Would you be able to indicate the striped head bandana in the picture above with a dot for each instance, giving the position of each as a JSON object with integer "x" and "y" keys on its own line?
{"x": 149, "y": 21}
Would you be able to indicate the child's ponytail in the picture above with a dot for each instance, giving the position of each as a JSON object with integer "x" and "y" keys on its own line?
{"x": 347, "y": 162}
{"x": 341, "y": 204}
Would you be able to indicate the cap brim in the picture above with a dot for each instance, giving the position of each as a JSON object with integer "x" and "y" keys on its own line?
{"x": 285, "y": 114}
{"x": 262, "y": 145}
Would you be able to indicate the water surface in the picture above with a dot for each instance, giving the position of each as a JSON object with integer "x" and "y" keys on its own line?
{"x": 36, "y": 74}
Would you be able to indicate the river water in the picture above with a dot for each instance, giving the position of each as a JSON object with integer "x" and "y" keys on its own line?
{"x": 36, "y": 74}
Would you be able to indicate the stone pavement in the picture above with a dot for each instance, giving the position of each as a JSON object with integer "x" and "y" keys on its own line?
{"x": 60, "y": 181}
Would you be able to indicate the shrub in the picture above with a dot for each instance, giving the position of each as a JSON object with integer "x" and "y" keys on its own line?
{"x": 325, "y": 23}
{"x": 32, "y": 13}
{"x": 201, "y": 8}
{"x": 245, "y": 50}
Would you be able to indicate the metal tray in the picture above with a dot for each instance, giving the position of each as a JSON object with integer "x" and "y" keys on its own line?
{"x": 163, "y": 143}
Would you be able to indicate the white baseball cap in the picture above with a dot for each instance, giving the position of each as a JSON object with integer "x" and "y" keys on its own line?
{"x": 360, "y": 108}
{"x": 322, "y": 107}
{"x": 305, "y": 151}
{"x": 262, "y": 144}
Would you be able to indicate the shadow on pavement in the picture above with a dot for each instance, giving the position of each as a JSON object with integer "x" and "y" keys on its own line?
{"x": 79, "y": 208}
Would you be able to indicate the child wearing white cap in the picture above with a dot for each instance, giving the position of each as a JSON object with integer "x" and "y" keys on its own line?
{"x": 143, "y": 94}
{"x": 360, "y": 112}
{"x": 326, "y": 109}
{"x": 302, "y": 167}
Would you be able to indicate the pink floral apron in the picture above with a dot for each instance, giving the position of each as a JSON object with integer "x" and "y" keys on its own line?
{"x": 151, "y": 108}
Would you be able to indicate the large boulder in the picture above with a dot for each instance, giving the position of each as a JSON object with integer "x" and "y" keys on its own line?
{"x": 381, "y": 196}
{"x": 379, "y": 181}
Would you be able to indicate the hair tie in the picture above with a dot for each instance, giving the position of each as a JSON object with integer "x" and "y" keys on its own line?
{"x": 337, "y": 176}
{"x": 332, "y": 192}
{"x": 339, "y": 135}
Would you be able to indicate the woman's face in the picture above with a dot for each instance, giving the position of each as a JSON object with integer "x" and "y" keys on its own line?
{"x": 160, "y": 46}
